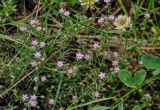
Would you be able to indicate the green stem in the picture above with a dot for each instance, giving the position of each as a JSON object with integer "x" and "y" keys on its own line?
{"x": 91, "y": 102}
{"x": 122, "y": 6}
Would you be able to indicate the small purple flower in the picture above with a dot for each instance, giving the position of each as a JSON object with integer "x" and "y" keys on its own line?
{"x": 114, "y": 63}
{"x": 116, "y": 69}
{"x": 34, "y": 42}
{"x": 23, "y": 29}
{"x": 51, "y": 101}
{"x": 25, "y": 97}
{"x": 42, "y": 44}
{"x": 87, "y": 57}
{"x": 33, "y": 103}
{"x": 96, "y": 94}
{"x": 33, "y": 97}
{"x": 79, "y": 56}
{"x": 107, "y": 1}
{"x": 148, "y": 96}
{"x": 60, "y": 63}
{"x": 33, "y": 63}
{"x": 37, "y": 55}
{"x": 102, "y": 75}
{"x": 96, "y": 46}
{"x": 43, "y": 78}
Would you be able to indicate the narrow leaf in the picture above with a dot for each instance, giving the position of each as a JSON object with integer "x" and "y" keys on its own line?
{"x": 120, "y": 107}
{"x": 156, "y": 72}
{"x": 8, "y": 38}
{"x": 99, "y": 108}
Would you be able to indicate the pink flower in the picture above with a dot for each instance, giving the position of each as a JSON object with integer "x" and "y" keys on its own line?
{"x": 33, "y": 103}
{"x": 107, "y": 1}
{"x": 97, "y": 94}
{"x": 96, "y": 46}
{"x": 25, "y": 97}
{"x": 33, "y": 63}
{"x": 66, "y": 13}
{"x": 101, "y": 20}
{"x": 37, "y": 55}
{"x": 51, "y": 101}
{"x": 34, "y": 21}
{"x": 116, "y": 69}
{"x": 101, "y": 75}
{"x": 43, "y": 78}
{"x": 87, "y": 56}
{"x": 115, "y": 54}
{"x": 60, "y": 63}
{"x": 111, "y": 17}
{"x": 23, "y": 29}
{"x": 42, "y": 44}
{"x": 34, "y": 42}
{"x": 114, "y": 63}
{"x": 33, "y": 97}
{"x": 62, "y": 10}
{"x": 148, "y": 96}
{"x": 70, "y": 71}
{"x": 79, "y": 56}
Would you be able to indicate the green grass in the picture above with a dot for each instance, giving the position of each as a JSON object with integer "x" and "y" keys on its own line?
{"x": 64, "y": 37}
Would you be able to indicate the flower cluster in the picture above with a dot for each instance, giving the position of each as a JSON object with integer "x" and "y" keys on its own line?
{"x": 32, "y": 100}
{"x": 72, "y": 70}
{"x": 115, "y": 66}
{"x": 64, "y": 12}
{"x": 23, "y": 29}
{"x": 37, "y": 54}
{"x": 105, "y": 18}
{"x": 33, "y": 22}
{"x": 80, "y": 56}
{"x": 87, "y": 3}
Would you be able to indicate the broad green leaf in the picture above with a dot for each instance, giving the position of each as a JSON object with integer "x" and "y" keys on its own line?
{"x": 120, "y": 107}
{"x": 151, "y": 61}
{"x": 136, "y": 107}
{"x": 99, "y": 108}
{"x": 139, "y": 77}
{"x": 126, "y": 77}
{"x": 156, "y": 72}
